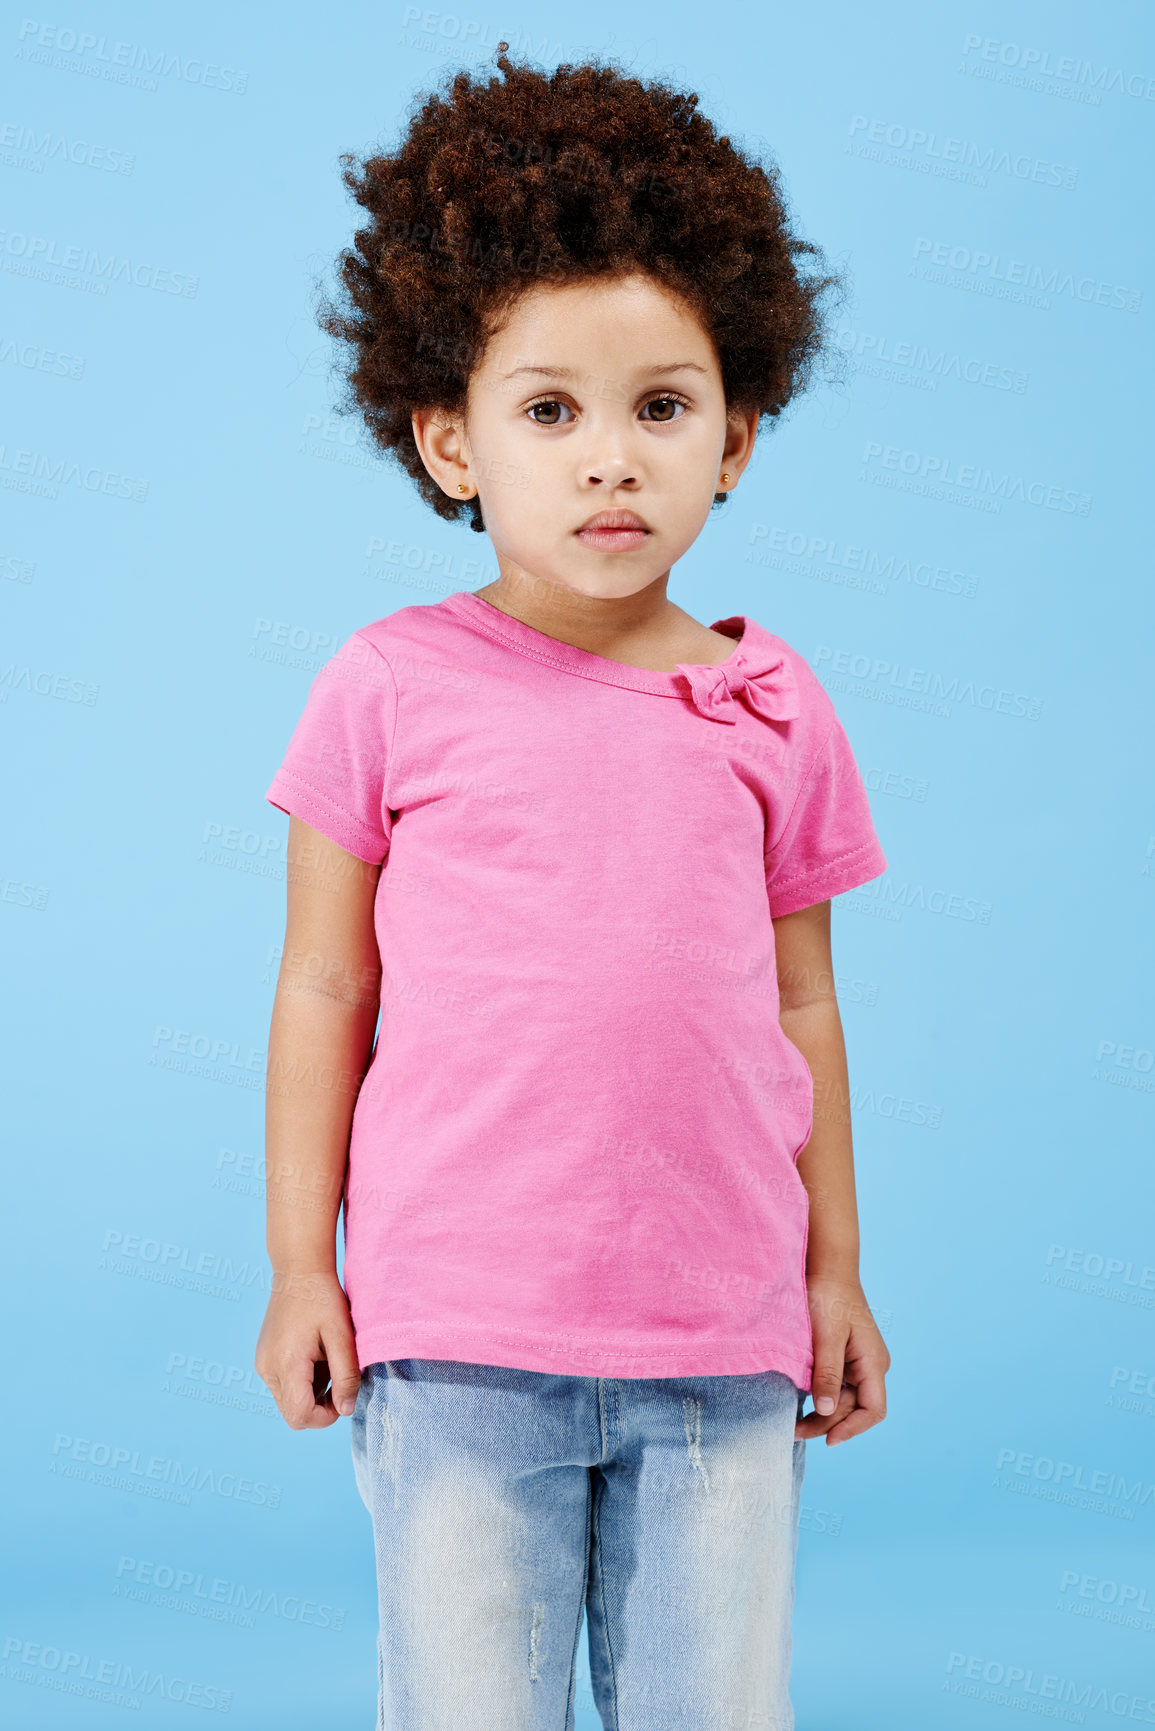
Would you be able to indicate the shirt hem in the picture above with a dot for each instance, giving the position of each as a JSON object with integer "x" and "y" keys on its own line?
{"x": 573, "y": 1357}
{"x": 295, "y": 797}
{"x": 832, "y": 879}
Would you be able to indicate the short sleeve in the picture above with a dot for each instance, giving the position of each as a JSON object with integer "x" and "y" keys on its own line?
{"x": 333, "y": 773}
{"x": 828, "y": 843}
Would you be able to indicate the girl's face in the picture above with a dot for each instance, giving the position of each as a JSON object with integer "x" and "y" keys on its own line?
{"x": 594, "y": 398}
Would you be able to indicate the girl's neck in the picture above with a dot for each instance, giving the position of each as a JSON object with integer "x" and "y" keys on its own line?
{"x": 645, "y": 629}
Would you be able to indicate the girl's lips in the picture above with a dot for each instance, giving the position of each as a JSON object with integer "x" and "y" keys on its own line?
{"x": 613, "y": 540}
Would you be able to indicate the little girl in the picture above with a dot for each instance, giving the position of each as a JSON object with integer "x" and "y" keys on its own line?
{"x": 578, "y": 850}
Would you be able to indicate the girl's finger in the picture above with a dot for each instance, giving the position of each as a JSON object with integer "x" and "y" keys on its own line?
{"x": 344, "y": 1371}
{"x": 869, "y": 1409}
{"x": 815, "y": 1425}
{"x": 829, "y": 1370}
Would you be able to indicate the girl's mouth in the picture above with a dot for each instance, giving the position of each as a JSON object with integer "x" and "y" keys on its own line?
{"x": 613, "y": 540}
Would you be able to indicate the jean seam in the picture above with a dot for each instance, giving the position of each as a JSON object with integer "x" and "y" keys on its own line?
{"x": 569, "y": 1706}
{"x": 603, "y": 1386}
{"x": 605, "y": 1614}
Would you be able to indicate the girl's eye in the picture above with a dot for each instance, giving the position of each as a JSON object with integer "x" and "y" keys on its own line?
{"x": 664, "y": 404}
{"x": 550, "y": 419}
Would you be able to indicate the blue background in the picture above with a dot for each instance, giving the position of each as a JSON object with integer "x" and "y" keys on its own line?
{"x": 159, "y": 650}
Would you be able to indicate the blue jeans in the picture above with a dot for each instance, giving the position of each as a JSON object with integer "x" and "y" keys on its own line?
{"x": 507, "y": 1502}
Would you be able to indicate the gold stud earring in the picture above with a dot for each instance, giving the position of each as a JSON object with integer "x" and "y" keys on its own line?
{"x": 725, "y": 477}
{"x": 461, "y": 487}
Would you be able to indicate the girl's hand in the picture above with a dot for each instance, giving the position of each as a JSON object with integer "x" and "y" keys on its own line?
{"x": 306, "y": 1340}
{"x": 850, "y": 1363}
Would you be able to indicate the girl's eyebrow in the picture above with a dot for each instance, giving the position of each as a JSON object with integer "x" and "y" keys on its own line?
{"x": 569, "y": 373}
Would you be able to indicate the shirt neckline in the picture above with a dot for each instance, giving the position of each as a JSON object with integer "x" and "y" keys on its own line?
{"x": 583, "y": 662}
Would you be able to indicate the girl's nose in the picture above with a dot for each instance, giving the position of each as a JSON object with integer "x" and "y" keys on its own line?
{"x": 613, "y": 472}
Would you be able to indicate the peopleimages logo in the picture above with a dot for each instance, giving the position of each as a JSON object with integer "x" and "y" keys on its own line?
{"x": 117, "y": 1682}
{"x": 928, "y": 364}
{"x": 934, "y": 154}
{"x": 216, "y": 1597}
{"x": 36, "y": 472}
{"x": 40, "y": 147}
{"x": 1106, "y": 1592}
{"x": 1040, "y": 62}
{"x": 945, "y": 472}
{"x": 38, "y": 359}
{"x": 989, "y": 268}
{"x": 1008, "y": 1685}
{"x": 470, "y": 34}
{"x": 99, "y": 57}
{"x": 128, "y": 1468}
{"x": 1062, "y": 1473}
{"x": 1077, "y": 1261}
{"x": 38, "y": 255}
{"x": 894, "y": 682}
{"x": 887, "y": 567}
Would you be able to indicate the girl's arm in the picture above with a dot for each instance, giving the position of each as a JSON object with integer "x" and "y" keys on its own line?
{"x": 320, "y": 1043}
{"x": 850, "y": 1356}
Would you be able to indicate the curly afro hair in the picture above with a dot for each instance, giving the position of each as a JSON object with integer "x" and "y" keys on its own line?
{"x": 554, "y": 177}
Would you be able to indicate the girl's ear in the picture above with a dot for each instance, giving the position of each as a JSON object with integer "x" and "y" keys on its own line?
{"x": 444, "y": 449}
{"x": 741, "y": 431}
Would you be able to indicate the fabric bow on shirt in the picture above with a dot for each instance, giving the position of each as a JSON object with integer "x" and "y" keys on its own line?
{"x": 764, "y": 681}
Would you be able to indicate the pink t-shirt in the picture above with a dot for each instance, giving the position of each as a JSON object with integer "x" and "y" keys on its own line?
{"x": 574, "y": 1149}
